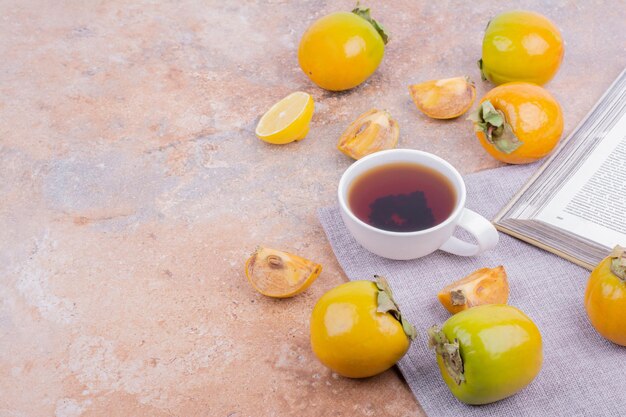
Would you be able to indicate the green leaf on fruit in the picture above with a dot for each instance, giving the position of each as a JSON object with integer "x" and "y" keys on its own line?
{"x": 506, "y": 141}
{"x": 408, "y": 328}
{"x": 450, "y": 353}
{"x": 364, "y": 12}
{"x": 383, "y": 285}
{"x": 386, "y": 304}
{"x": 491, "y": 115}
{"x": 493, "y": 124}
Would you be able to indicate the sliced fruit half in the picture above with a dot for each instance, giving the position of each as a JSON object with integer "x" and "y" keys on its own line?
{"x": 484, "y": 286}
{"x": 288, "y": 120}
{"x": 279, "y": 274}
{"x": 371, "y": 132}
{"x": 444, "y": 99}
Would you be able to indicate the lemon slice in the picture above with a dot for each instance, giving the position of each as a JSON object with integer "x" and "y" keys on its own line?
{"x": 279, "y": 274}
{"x": 287, "y": 120}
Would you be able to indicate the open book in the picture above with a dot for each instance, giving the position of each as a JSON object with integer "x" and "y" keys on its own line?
{"x": 575, "y": 204}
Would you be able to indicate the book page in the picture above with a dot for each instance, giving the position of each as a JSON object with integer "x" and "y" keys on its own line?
{"x": 592, "y": 203}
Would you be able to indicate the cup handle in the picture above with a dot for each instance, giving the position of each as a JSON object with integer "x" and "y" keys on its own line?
{"x": 483, "y": 231}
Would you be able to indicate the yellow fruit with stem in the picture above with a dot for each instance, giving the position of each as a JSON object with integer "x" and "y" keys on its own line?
{"x": 357, "y": 329}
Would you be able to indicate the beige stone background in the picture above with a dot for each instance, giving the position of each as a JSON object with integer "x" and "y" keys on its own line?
{"x": 132, "y": 189}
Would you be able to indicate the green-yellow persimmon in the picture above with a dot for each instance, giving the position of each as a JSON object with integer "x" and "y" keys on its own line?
{"x": 487, "y": 353}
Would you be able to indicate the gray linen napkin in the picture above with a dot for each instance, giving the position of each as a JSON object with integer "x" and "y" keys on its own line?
{"x": 582, "y": 374}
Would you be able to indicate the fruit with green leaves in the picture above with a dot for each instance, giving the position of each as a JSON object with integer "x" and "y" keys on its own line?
{"x": 357, "y": 329}
{"x": 341, "y": 50}
{"x": 487, "y": 353}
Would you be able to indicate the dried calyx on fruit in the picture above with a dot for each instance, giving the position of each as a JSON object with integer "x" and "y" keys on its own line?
{"x": 497, "y": 130}
{"x": 618, "y": 262}
{"x": 373, "y": 131}
{"x": 450, "y": 353}
{"x": 386, "y": 304}
{"x": 605, "y": 297}
{"x": 444, "y": 99}
{"x": 487, "y": 353}
{"x": 280, "y": 274}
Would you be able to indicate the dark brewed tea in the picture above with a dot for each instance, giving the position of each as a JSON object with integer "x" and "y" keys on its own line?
{"x": 402, "y": 197}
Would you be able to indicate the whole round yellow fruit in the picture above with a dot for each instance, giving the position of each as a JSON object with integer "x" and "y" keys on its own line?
{"x": 357, "y": 330}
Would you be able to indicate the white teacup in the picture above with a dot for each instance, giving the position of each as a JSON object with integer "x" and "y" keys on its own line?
{"x": 411, "y": 245}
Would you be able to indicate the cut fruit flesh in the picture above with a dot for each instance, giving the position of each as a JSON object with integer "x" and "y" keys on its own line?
{"x": 279, "y": 274}
{"x": 484, "y": 286}
{"x": 371, "y": 132}
{"x": 287, "y": 120}
{"x": 444, "y": 99}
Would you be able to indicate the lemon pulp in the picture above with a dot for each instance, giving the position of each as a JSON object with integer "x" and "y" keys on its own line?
{"x": 287, "y": 120}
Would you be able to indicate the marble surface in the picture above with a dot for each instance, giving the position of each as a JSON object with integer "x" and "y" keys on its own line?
{"x": 132, "y": 189}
